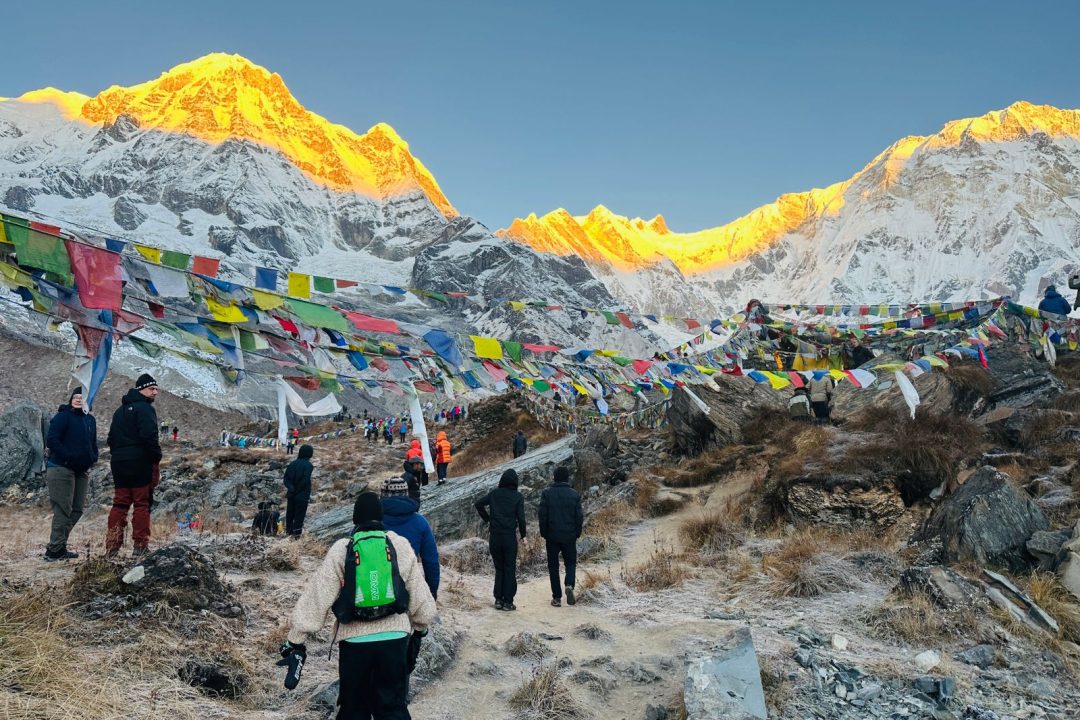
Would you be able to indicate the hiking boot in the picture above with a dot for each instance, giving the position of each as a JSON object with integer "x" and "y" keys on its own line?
{"x": 509, "y": 606}
{"x": 70, "y": 554}
{"x": 498, "y": 605}
{"x": 570, "y": 600}
{"x": 556, "y": 602}
{"x": 53, "y": 557}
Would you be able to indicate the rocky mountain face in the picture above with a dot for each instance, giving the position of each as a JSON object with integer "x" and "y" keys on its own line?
{"x": 988, "y": 206}
{"x": 216, "y": 157}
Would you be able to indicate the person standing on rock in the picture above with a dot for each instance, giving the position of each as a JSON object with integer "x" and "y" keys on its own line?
{"x": 1053, "y": 302}
{"x": 415, "y": 451}
{"x": 504, "y": 511}
{"x": 414, "y": 471}
{"x": 401, "y": 514}
{"x": 520, "y": 444}
{"x": 821, "y": 394}
{"x": 298, "y": 491}
{"x": 373, "y": 653}
{"x": 73, "y": 450}
{"x": 442, "y": 456}
{"x": 560, "y": 522}
{"x": 136, "y": 452}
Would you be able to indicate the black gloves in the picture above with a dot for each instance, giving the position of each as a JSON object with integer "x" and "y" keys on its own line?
{"x": 293, "y": 658}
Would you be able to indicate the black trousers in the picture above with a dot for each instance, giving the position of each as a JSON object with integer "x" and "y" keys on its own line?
{"x": 504, "y": 555}
{"x": 821, "y": 411}
{"x": 569, "y": 556}
{"x": 295, "y": 512}
{"x": 374, "y": 680}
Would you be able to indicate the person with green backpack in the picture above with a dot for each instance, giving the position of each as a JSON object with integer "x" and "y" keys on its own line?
{"x": 375, "y": 586}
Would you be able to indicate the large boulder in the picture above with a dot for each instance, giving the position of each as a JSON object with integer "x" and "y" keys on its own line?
{"x": 844, "y": 501}
{"x": 23, "y": 427}
{"x": 1069, "y": 569}
{"x": 987, "y": 521}
{"x": 450, "y": 507}
{"x": 730, "y": 406}
{"x": 727, "y": 683}
{"x": 1019, "y": 378}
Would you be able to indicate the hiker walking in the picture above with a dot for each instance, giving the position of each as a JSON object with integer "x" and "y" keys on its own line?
{"x": 821, "y": 395}
{"x": 266, "y": 520}
{"x": 298, "y": 491}
{"x": 520, "y": 444}
{"x": 412, "y": 477}
{"x": 560, "y": 521}
{"x": 401, "y": 514}
{"x": 136, "y": 452}
{"x": 388, "y": 434}
{"x": 374, "y": 627}
{"x": 504, "y": 510}
{"x": 442, "y": 456}
{"x": 290, "y": 443}
{"x": 175, "y": 433}
{"x": 799, "y": 405}
{"x": 415, "y": 451}
{"x": 403, "y": 430}
{"x": 73, "y": 450}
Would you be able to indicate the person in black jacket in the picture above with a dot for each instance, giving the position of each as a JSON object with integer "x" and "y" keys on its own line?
{"x": 265, "y": 521}
{"x": 298, "y": 491}
{"x": 413, "y": 476}
{"x": 73, "y": 450}
{"x": 504, "y": 509}
{"x": 560, "y": 526}
{"x": 136, "y": 452}
{"x": 521, "y": 445}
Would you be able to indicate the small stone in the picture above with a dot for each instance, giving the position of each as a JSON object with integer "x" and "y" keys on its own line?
{"x": 926, "y": 685}
{"x": 981, "y": 656}
{"x": 134, "y": 575}
{"x": 869, "y": 692}
{"x": 804, "y": 656}
{"x": 656, "y": 712}
{"x": 946, "y": 688}
{"x": 839, "y": 642}
{"x": 928, "y": 660}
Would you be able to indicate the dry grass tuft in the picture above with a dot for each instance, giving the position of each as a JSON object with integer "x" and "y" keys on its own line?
{"x": 545, "y": 696}
{"x": 660, "y": 571}
{"x": 525, "y": 644}
{"x": 972, "y": 377}
{"x": 1046, "y": 590}
{"x": 704, "y": 469}
{"x": 711, "y": 533}
{"x": 1067, "y": 370}
{"x": 610, "y": 519}
{"x": 917, "y": 620}
{"x": 1068, "y": 401}
{"x": 804, "y": 566}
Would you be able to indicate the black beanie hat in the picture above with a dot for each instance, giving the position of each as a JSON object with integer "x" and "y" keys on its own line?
{"x": 145, "y": 381}
{"x": 509, "y": 479}
{"x": 76, "y": 391}
{"x": 368, "y": 508}
{"x": 562, "y": 475}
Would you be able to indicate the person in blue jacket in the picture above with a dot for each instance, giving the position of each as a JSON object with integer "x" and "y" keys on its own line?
{"x": 1053, "y": 302}
{"x": 73, "y": 450}
{"x": 401, "y": 514}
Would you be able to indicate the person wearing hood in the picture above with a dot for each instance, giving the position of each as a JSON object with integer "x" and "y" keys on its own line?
{"x": 373, "y": 654}
{"x": 442, "y": 455}
{"x": 298, "y": 491}
{"x": 414, "y": 472}
{"x": 1054, "y": 302}
{"x": 415, "y": 451}
{"x": 520, "y": 444}
{"x": 560, "y": 523}
{"x": 73, "y": 450}
{"x": 136, "y": 452}
{"x": 504, "y": 510}
{"x": 401, "y": 514}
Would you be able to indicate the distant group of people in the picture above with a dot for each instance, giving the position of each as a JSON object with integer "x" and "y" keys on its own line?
{"x": 165, "y": 431}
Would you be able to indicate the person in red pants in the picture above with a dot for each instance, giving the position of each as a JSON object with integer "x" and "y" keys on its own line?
{"x": 136, "y": 452}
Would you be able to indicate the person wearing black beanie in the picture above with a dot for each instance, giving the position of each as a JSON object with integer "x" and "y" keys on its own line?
{"x": 560, "y": 520}
{"x": 367, "y": 510}
{"x": 73, "y": 450}
{"x": 504, "y": 509}
{"x": 298, "y": 491}
{"x": 136, "y": 452}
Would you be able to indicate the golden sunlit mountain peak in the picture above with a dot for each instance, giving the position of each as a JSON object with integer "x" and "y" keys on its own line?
{"x": 221, "y": 97}
{"x": 629, "y": 243}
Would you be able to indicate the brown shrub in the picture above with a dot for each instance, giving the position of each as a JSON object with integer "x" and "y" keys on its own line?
{"x": 1067, "y": 369}
{"x": 705, "y": 469}
{"x": 766, "y": 424}
{"x": 1046, "y": 590}
{"x": 803, "y": 567}
{"x": 972, "y": 377}
{"x": 661, "y": 570}
{"x": 1040, "y": 429}
{"x": 917, "y": 620}
{"x": 1068, "y": 401}
{"x": 609, "y": 520}
{"x": 711, "y": 533}
{"x": 545, "y": 696}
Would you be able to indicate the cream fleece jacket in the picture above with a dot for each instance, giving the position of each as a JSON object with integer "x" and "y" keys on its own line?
{"x": 322, "y": 589}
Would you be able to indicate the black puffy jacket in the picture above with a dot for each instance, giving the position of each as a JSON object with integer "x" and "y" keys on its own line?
{"x": 504, "y": 508}
{"x": 72, "y": 439}
{"x": 521, "y": 445}
{"x": 133, "y": 440}
{"x": 560, "y": 513}
{"x": 298, "y": 474}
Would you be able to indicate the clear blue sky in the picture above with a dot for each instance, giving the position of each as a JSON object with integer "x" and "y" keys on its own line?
{"x": 697, "y": 110}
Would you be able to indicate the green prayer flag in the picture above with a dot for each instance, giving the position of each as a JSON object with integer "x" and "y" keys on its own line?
{"x": 331, "y": 385}
{"x": 175, "y": 259}
{"x": 438, "y": 296}
{"x": 324, "y": 284}
{"x": 541, "y": 386}
{"x": 39, "y": 250}
{"x": 317, "y": 315}
{"x": 512, "y": 349}
{"x": 146, "y": 348}
{"x": 621, "y": 361}
{"x": 610, "y": 317}
{"x": 13, "y": 227}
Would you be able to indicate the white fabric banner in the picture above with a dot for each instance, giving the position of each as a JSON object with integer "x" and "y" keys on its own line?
{"x": 420, "y": 428}
{"x": 327, "y": 406}
{"x": 911, "y": 395}
{"x": 282, "y": 421}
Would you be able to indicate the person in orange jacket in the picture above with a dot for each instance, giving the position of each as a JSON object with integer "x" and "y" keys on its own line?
{"x": 442, "y": 455}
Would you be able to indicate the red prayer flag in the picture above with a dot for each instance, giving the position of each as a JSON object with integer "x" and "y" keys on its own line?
{"x": 372, "y": 324}
{"x": 692, "y": 324}
{"x": 625, "y": 320}
{"x": 796, "y": 379}
{"x": 47, "y": 229}
{"x": 205, "y": 266}
{"x": 156, "y": 310}
{"x": 540, "y": 348}
{"x": 307, "y": 382}
{"x": 345, "y": 283}
{"x": 97, "y": 276}
{"x": 640, "y": 366}
{"x": 379, "y": 363}
{"x": 287, "y": 325}
{"x": 424, "y": 386}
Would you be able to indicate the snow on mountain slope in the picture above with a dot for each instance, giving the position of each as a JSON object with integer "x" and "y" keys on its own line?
{"x": 985, "y": 207}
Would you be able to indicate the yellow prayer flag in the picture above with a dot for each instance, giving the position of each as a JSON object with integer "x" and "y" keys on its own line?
{"x": 837, "y": 374}
{"x": 935, "y": 361}
{"x": 225, "y": 313}
{"x": 299, "y": 285}
{"x": 778, "y": 382}
{"x": 517, "y": 305}
{"x": 580, "y": 388}
{"x": 266, "y": 300}
{"x": 486, "y": 347}
{"x": 151, "y": 254}
{"x": 607, "y": 353}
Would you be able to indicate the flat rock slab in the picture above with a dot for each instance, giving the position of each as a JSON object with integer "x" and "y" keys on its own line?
{"x": 727, "y": 683}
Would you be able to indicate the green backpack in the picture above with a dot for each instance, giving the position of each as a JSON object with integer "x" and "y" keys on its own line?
{"x": 373, "y": 586}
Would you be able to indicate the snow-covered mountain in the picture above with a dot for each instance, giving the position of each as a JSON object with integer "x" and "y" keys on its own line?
{"x": 987, "y": 206}
{"x": 216, "y": 157}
